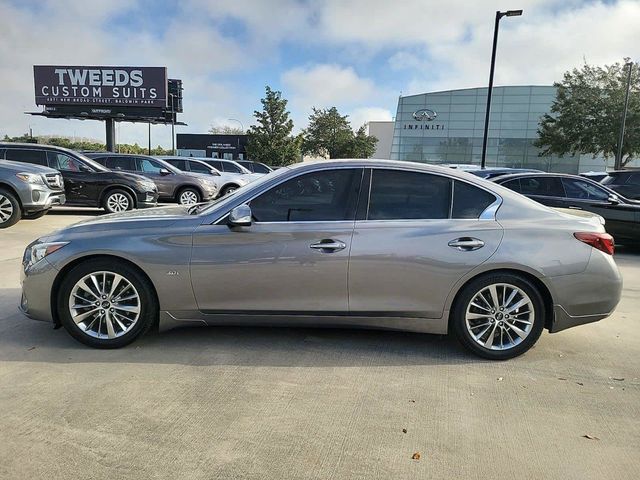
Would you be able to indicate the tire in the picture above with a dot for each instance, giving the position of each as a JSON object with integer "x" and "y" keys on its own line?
{"x": 228, "y": 189}
{"x": 188, "y": 196}
{"x": 520, "y": 328}
{"x": 99, "y": 321}
{"x": 117, "y": 200}
{"x": 35, "y": 215}
{"x": 10, "y": 211}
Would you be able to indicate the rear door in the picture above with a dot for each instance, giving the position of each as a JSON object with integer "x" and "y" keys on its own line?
{"x": 412, "y": 243}
{"x": 27, "y": 155}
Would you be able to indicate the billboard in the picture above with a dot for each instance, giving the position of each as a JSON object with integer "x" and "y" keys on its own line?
{"x": 100, "y": 86}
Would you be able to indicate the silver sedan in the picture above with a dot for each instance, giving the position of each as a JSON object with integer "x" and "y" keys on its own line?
{"x": 357, "y": 243}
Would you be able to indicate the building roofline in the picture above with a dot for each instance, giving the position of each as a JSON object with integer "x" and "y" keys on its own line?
{"x": 472, "y": 88}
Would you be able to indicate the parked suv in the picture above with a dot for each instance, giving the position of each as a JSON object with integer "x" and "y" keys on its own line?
{"x": 227, "y": 182}
{"x": 174, "y": 185}
{"x": 625, "y": 182}
{"x": 87, "y": 183}
{"x": 27, "y": 191}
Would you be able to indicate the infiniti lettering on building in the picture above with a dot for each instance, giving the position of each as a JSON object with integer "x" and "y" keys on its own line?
{"x": 421, "y": 116}
{"x": 124, "y": 86}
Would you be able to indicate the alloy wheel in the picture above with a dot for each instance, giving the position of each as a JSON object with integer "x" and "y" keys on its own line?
{"x": 6, "y": 209}
{"x": 188, "y": 197}
{"x": 500, "y": 316}
{"x": 118, "y": 202}
{"x": 104, "y": 305}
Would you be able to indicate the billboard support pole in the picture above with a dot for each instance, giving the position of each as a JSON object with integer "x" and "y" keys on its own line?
{"x": 110, "y": 125}
{"x": 149, "y": 138}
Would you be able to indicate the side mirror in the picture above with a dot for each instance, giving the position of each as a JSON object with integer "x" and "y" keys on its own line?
{"x": 614, "y": 199}
{"x": 164, "y": 171}
{"x": 240, "y": 216}
{"x": 215, "y": 173}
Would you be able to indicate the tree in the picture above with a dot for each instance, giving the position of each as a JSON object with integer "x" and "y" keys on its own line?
{"x": 330, "y": 134}
{"x": 270, "y": 141}
{"x": 86, "y": 145}
{"x": 587, "y": 113}
{"x": 226, "y": 130}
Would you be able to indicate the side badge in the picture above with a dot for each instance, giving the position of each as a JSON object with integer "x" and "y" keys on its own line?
{"x": 173, "y": 273}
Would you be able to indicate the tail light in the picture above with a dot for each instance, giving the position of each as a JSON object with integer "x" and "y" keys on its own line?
{"x": 601, "y": 241}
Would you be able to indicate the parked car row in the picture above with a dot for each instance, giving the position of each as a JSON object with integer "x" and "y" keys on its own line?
{"x": 35, "y": 177}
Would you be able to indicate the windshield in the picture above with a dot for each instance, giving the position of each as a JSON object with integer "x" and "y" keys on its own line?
{"x": 92, "y": 163}
{"x": 207, "y": 207}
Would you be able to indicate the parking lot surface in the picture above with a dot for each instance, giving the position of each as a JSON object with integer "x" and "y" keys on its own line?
{"x": 316, "y": 404}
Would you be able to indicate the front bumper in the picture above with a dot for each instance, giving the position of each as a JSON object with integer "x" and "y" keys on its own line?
{"x": 588, "y": 296}
{"x": 42, "y": 199}
{"x": 147, "y": 199}
{"x": 37, "y": 282}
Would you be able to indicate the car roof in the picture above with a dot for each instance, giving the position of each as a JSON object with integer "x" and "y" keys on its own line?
{"x": 510, "y": 176}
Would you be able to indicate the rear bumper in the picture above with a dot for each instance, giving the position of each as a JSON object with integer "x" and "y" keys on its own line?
{"x": 588, "y": 296}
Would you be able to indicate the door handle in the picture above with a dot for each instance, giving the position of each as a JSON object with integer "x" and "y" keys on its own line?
{"x": 329, "y": 245}
{"x": 466, "y": 244}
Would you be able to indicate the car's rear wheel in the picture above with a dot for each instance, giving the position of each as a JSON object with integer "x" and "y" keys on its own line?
{"x": 499, "y": 316}
{"x": 188, "y": 196}
{"x": 9, "y": 209}
{"x": 117, "y": 201}
{"x": 106, "y": 304}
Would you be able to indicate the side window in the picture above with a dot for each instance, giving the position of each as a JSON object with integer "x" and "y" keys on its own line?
{"x": 469, "y": 201}
{"x": 149, "y": 166}
{"x": 513, "y": 185}
{"x": 216, "y": 164}
{"x": 397, "y": 195}
{"x": 634, "y": 179}
{"x": 120, "y": 163}
{"x": 329, "y": 195}
{"x": 230, "y": 167}
{"x": 179, "y": 164}
{"x": 543, "y": 186}
{"x": 65, "y": 163}
{"x": 583, "y": 190}
{"x": 39, "y": 157}
{"x": 199, "y": 167}
{"x": 258, "y": 168}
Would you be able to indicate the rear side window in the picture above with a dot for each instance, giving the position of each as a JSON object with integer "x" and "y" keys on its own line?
{"x": 38, "y": 157}
{"x": 543, "y": 186}
{"x": 328, "y": 195}
{"x": 398, "y": 195}
{"x": 120, "y": 163}
{"x": 469, "y": 201}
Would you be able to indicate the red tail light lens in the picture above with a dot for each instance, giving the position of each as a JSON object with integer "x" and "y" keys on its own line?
{"x": 601, "y": 241}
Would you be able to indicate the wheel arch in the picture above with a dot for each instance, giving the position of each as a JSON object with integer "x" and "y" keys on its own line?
{"x": 546, "y": 294}
{"x": 111, "y": 188}
{"x": 13, "y": 191}
{"x": 77, "y": 261}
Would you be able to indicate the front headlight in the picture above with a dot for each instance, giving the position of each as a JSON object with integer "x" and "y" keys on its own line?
{"x": 146, "y": 185}
{"x": 36, "y": 252}
{"x": 30, "y": 178}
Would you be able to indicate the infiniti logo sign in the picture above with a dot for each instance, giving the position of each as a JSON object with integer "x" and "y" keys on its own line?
{"x": 425, "y": 114}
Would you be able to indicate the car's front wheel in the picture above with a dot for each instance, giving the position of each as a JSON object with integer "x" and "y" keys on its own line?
{"x": 106, "y": 303}
{"x": 188, "y": 196}
{"x": 499, "y": 316}
{"x": 9, "y": 209}
{"x": 228, "y": 189}
{"x": 117, "y": 201}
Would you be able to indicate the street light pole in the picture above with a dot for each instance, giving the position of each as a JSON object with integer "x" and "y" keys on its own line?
{"x": 618, "y": 162}
{"x": 499, "y": 15}
{"x": 173, "y": 126}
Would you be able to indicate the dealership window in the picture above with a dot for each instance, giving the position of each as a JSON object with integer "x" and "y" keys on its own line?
{"x": 328, "y": 195}
{"x": 397, "y": 195}
{"x": 39, "y": 157}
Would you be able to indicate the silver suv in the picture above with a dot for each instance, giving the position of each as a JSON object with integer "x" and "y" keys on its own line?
{"x": 27, "y": 191}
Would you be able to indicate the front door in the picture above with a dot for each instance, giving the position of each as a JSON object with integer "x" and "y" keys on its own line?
{"x": 152, "y": 169}
{"x": 412, "y": 244}
{"x": 294, "y": 257}
{"x": 79, "y": 180}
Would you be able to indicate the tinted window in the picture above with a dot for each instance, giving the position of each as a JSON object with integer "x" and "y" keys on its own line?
{"x": 65, "y": 163}
{"x": 216, "y": 164}
{"x": 39, "y": 157}
{"x": 199, "y": 167}
{"x": 580, "y": 189}
{"x": 544, "y": 186}
{"x": 470, "y": 201}
{"x": 179, "y": 164}
{"x": 512, "y": 185}
{"x": 230, "y": 167}
{"x": 408, "y": 195}
{"x": 329, "y": 195}
{"x": 120, "y": 163}
{"x": 149, "y": 166}
{"x": 259, "y": 168}
{"x": 634, "y": 179}
{"x": 248, "y": 166}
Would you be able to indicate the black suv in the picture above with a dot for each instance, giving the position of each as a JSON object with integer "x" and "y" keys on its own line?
{"x": 625, "y": 182}
{"x": 87, "y": 183}
{"x": 622, "y": 216}
{"x": 174, "y": 185}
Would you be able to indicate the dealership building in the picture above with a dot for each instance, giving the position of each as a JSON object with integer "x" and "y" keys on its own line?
{"x": 447, "y": 127}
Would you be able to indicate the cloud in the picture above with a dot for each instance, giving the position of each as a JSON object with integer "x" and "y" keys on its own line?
{"x": 362, "y": 115}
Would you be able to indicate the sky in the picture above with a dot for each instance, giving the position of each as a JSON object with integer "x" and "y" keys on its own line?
{"x": 356, "y": 55}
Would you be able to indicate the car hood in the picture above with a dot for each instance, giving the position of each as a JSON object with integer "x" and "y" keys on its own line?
{"x": 25, "y": 167}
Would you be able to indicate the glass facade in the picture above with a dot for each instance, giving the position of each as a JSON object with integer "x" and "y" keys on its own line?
{"x": 447, "y": 127}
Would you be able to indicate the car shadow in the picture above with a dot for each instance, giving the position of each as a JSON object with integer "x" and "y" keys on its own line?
{"x": 23, "y": 339}
{"x": 85, "y": 212}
